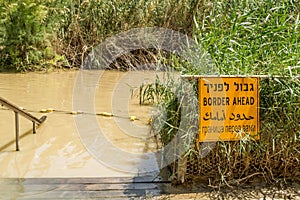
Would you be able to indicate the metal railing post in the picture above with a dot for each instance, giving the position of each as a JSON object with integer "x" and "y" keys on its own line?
{"x": 17, "y": 130}
{"x": 33, "y": 127}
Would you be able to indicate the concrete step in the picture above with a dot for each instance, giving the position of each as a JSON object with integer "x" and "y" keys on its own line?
{"x": 83, "y": 188}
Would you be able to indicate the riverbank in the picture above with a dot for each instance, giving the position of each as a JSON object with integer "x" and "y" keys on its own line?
{"x": 289, "y": 191}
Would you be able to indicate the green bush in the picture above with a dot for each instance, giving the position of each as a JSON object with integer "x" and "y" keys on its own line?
{"x": 26, "y": 40}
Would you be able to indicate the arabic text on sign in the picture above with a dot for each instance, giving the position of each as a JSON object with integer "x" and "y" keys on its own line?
{"x": 220, "y": 116}
{"x": 215, "y": 117}
{"x": 237, "y": 117}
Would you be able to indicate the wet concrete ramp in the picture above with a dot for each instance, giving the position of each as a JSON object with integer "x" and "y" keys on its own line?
{"x": 83, "y": 188}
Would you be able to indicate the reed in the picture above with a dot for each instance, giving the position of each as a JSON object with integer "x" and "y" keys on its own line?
{"x": 247, "y": 37}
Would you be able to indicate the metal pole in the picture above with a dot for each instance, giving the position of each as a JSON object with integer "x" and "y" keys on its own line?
{"x": 33, "y": 128}
{"x": 17, "y": 130}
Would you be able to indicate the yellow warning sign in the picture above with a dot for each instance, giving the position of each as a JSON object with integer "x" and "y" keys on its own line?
{"x": 228, "y": 108}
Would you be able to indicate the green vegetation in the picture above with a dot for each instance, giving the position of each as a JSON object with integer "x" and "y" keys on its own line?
{"x": 247, "y": 38}
{"x": 260, "y": 37}
{"x": 242, "y": 37}
{"x": 275, "y": 157}
{"x": 25, "y": 43}
{"x": 35, "y": 33}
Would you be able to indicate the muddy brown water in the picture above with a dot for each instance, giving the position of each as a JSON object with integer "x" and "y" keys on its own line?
{"x": 57, "y": 150}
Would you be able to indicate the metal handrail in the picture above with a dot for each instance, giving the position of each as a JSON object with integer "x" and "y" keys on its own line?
{"x": 17, "y": 111}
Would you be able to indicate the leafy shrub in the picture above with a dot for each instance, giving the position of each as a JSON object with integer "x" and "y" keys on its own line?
{"x": 25, "y": 43}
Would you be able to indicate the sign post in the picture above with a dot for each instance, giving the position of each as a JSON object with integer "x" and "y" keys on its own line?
{"x": 228, "y": 108}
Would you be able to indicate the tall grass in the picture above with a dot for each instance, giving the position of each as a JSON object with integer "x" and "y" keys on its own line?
{"x": 87, "y": 23}
{"x": 275, "y": 157}
{"x": 249, "y": 37}
{"x": 242, "y": 36}
{"x": 77, "y": 26}
{"x": 257, "y": 37}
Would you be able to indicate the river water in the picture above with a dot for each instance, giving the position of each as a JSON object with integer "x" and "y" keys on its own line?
{"x": 57, "y": 149}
